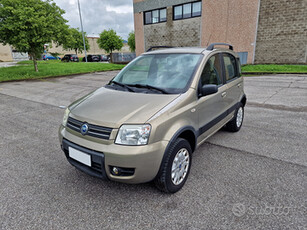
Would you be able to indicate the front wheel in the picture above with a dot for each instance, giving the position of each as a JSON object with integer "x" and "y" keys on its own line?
{"x": 235, "y": 124}
{"x": 176, "y": 167}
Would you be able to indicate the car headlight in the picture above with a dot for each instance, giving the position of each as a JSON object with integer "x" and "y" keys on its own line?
{"x": 65, "y": 118}
{"x": 133, "y": 134}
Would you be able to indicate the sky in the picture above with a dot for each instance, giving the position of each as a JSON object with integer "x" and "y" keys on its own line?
{"x": 98, "y": 15}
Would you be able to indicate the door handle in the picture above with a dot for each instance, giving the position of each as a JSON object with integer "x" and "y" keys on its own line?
{"x": 224, "y": 94}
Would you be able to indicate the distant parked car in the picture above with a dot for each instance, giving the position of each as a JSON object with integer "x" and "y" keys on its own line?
{"x": 92, "y": 58}
{"x": 70, "y": 57}
{"x": 50, "y": 57}
{"x": 104, "y": 57}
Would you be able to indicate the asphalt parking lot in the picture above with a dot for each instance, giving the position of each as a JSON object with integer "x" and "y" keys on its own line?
{"x": 253, "y": 179}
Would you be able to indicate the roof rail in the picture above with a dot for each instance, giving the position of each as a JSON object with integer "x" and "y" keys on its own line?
{"x": 157, "y": 47}
{"x": 211, "y": 46}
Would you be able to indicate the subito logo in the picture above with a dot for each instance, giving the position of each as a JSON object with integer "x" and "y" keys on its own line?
{"x": 239, "y": 209}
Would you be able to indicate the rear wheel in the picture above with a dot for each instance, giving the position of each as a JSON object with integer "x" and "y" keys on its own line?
{"x": 175, "y": 167}
{"x": 235, "y": 124}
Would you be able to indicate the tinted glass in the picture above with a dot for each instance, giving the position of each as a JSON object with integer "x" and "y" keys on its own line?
{"x": 171, "y": 72}
{"x": 147, "y": 17}
{"x": 196, "y": 10}
{"x": 177, "y": 12}
{"x": 187, "y": 9}
{"x": 230, "y": 66}
{"x": 163, "y": 15}
{"x": 212, "y": 73}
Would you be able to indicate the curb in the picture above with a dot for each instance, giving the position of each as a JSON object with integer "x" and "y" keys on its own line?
{"x": 266, "y": 73}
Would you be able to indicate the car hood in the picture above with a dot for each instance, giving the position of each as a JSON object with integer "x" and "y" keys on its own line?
{"x": 112, "y": 108}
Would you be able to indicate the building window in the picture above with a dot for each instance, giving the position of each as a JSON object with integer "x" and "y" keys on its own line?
{"x": 188, "y": 10}
{"x": 163, "y": 15}
{"x": 178, "y": 12}
{"x": 155, "y": 16}
{"x": 196, "y": 11}
{"x": 148, "y": 17}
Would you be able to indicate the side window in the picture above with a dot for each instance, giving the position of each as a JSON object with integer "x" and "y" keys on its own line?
{"x": 230, "y": 66}
{"x": 212, "y": 73}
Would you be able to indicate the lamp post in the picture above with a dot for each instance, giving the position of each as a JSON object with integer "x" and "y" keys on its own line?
{"x": 82, "y": 31}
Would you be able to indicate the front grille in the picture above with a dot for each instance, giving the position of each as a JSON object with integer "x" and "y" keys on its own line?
{"x": 93, "y": 130}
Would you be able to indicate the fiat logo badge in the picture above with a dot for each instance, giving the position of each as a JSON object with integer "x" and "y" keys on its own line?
{"x": 84, "y": 129}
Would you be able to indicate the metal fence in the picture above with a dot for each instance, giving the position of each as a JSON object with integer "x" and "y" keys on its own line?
{"x": 18, "y": 56}
{"x": 123, "y": 57}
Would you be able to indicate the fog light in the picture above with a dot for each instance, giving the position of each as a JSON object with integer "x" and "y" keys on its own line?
{"x": 116, "y": 171}
{"x": 119, "y": 171}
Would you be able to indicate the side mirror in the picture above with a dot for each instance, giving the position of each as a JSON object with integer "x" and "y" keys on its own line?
{"x": 208, "y": 90}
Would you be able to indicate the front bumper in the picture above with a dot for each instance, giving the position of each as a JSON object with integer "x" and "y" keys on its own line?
{"x": 144, "y": 160}
{"x": 97, "y": 168}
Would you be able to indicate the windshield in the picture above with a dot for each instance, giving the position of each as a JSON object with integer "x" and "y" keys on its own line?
{"x": 159, "y": 73}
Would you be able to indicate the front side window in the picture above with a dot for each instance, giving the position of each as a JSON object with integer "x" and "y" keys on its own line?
{"x": 170, "y": 72}
{"x": 230, "y": 66}
{"x": 212, "y": 73}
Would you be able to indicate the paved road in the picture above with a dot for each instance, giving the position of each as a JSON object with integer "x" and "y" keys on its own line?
{"x": 253, "y": 179}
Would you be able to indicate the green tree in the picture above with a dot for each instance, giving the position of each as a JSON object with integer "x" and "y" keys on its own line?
{"x": 28, "y": 25}
{"x": 131, "y": 41}
{"x": 74, "y": 41}
{"x": 110, "y": 41}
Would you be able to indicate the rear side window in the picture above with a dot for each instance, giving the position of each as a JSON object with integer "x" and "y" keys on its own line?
{"x": 212, "y": 73}
{"x": 231, "y": 71}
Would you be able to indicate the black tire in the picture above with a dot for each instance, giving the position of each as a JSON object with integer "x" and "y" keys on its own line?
{"x": 234, "y": 125}
{"x": 164, "y": 181}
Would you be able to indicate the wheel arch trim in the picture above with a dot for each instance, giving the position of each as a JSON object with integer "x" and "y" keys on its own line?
{"x": 174, "y": 137}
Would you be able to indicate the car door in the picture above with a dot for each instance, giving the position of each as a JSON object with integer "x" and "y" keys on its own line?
{"x": 233, "y": 81}
{"x": 211, "y": 109}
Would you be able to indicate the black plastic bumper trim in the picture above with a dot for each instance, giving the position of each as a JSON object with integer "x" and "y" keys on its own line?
{"x": 97, "y": 158}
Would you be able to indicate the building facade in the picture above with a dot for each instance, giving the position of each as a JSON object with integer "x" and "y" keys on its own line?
{"x": 7, "y": 53}
{"x": 261, "y": 31}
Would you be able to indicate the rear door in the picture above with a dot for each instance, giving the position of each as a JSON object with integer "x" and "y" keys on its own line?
{"x": 233, "y": 81}
{"x": 212, "y": 108}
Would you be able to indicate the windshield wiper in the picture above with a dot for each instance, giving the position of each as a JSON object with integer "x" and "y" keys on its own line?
{"x": 149, "y": 87}
{"x": 122, "y": 85}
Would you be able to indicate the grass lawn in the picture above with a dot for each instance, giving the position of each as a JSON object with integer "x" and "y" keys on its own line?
{"x": 272, "y": 69}
{"x": 25, "y": 69}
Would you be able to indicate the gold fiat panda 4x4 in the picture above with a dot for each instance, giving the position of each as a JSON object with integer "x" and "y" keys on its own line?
{"x": 147, "y": 121}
